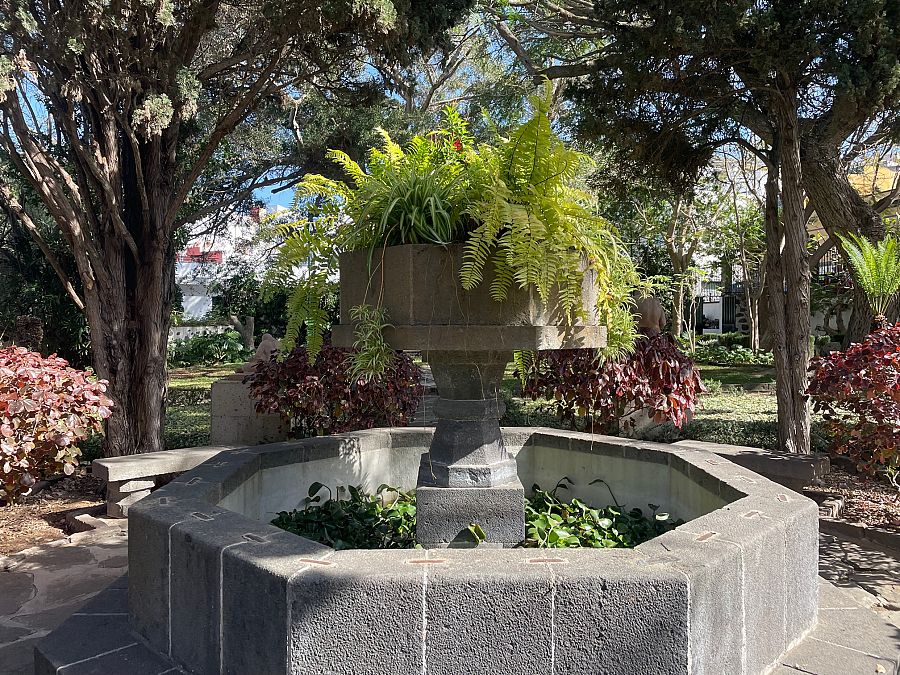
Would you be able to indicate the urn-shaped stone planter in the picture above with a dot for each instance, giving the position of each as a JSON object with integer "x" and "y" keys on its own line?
{"x": 468, "y": 338}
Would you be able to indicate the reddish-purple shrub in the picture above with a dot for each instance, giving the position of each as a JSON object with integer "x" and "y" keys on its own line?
{"x": 657, "y": 378}
{"x": 858, "y": 394}
{"x": 322, "y": 397}
{"x": 46, "y": 408}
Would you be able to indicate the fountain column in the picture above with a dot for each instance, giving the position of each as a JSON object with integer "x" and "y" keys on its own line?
{"x": 467, "y": 478}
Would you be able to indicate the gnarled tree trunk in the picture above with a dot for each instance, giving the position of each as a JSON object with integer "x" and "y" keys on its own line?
{"x": 789, "y": 278}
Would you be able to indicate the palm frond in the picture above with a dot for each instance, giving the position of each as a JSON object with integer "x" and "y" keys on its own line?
{"x": 876, "y": 268}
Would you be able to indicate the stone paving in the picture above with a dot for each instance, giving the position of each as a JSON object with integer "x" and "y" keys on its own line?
{"x": 859, "y": 604}
{"x": 869, "y": 574}
{"x": 42, "y": 586}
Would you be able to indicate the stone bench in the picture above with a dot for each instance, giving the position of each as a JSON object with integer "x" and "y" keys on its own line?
{"x": 791, "y": 470}
{"x": 131, "y": 478}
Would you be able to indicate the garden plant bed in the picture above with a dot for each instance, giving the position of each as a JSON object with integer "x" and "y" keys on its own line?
{"x": 42, "y": 517}
{"x": 352, "y": 519}
{"x": 869, "y": 501}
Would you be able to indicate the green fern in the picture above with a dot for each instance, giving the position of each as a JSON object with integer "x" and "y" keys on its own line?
{"x": 304, "y": 264}
{"x": 516, "y": 203}
{"x": 538, "y": 225}
{"x": 876, "y": 270}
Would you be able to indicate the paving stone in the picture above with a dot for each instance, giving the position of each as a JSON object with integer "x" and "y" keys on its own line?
{"x": 855, "y": 627}
{"x": 18, "y": 658}
{"x": 136, "y": 659}
{"x": 81, "y": 634}
{"x": 813, "y": 657}
{"x": 9, "y": 634}
{"x": 53, "y": 557}
{"x": 16, "y": 588}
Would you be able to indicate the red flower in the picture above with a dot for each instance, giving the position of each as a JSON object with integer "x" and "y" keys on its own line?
{"x": 457, "y": 145}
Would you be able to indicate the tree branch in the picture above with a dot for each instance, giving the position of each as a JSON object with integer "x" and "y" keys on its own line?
{"x": 16, "y": 209}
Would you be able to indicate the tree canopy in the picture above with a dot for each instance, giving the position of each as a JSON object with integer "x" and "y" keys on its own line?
{"x": 118, "y": 114}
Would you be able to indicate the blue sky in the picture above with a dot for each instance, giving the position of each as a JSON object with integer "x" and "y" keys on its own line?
{"x": 271, "y": 199}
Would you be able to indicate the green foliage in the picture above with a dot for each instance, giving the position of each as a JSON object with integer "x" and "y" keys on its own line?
{"x": 744, "y": 418}
{"x": 516, "y": 203}
{"x": 675, "y": 80}
{"x": 412, "y": 196}
{"x": 539, "y": 229}
{"x": 732, "y": 356}
{"x": 386, "y": 519}
{"x": 208, "y": 349}
{"x": 29, "y": 286}
{"x": 373, "y": 355}
{"x": 240, "y": 294}
{"x": 551, "y": 522}
{"x": 876, "y": 269}
{"x": 304, "y": 267}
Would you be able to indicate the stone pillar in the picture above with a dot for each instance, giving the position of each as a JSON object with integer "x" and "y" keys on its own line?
{"x": 467, "y": 477}
{"x": 234, "y": 420}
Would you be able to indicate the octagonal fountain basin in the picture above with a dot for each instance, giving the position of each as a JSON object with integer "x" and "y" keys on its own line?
{"x": 218, "y": 589}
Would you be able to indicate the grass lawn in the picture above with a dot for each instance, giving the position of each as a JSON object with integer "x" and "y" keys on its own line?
{"x": 188, "y": 414}
{"x": 198, "y": 378}
{"x": 737, "y": 374}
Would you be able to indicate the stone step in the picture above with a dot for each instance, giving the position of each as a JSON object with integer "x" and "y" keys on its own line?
{"x": 96, "y": 639}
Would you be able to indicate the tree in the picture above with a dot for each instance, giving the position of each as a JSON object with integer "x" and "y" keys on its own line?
{"x": 29, "y": 284}
{"x": 877, "y": 271}
{"x": 848, "y": 89}
{"x": 113, "y": 111}
{"x": 671, "y": 82}
{"x": 740, "y": 237}
{"x": 686, "y": 223}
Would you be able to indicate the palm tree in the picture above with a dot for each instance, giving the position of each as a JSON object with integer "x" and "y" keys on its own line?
{"x": 877, "y": 271}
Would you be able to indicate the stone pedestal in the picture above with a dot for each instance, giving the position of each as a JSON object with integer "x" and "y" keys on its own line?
{"x": 234, "y": 420}
{"x": 467, "y": 477}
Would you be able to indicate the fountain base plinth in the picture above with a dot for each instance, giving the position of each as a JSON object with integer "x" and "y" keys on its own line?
{"x": 445, "y": 514}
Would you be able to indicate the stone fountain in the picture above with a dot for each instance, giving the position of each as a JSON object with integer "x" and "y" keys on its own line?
{"x": 214, "y": 588}
{"x": 467, "y": 476}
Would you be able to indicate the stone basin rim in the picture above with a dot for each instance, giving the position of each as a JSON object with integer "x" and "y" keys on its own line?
{"x": 734, "y": 587}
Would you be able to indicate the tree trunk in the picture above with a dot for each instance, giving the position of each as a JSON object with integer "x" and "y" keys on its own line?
{"x": 129, "y": 350}
{"x": 842, "y": 211}
{"x": 751, "y": 311}
{"x": 678, "y": 309}
{"x": 789, "y": 279}
{"x": 129, "y": 314}
{"x": 246, "y": 328}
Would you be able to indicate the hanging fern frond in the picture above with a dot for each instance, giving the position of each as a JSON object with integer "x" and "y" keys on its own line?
{"x": 533, "y": 216}
{"x": 373, "y": 355}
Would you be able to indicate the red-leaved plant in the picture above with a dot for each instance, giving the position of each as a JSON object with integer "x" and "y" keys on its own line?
{"x": 46, "y": 409}
{"x": 324, "y": 398}
{"x": 656, "y": 377}
{"x": 858, "y": 394}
